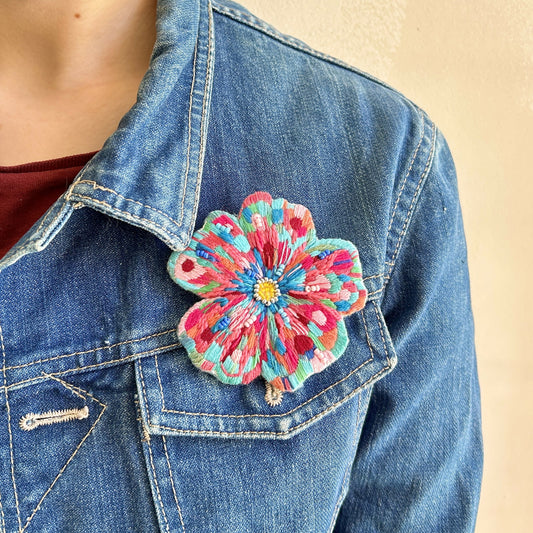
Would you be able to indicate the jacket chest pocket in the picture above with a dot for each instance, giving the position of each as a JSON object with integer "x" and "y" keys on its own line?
{"x": 178, "y": 399}
{"x": 222, "y": 458}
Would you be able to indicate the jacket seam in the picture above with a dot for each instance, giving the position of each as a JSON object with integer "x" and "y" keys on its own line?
{"x": 248, "y": 19}
{"x": 404, "y": 181}
{"x": 414, "y": 202}
{"x": 171, "y": 476}
{"x": 154, "y": 473}
{"x": 206, "y": 102}
{"x": 286, "y": 432}
{"x": 96, "y": 186}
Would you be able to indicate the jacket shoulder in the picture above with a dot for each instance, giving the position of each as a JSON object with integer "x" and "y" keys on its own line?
{"x": 372, "y": 142}
{"x": 342, "y": 70}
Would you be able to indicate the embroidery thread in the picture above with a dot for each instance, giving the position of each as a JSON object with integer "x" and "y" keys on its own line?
{"x": 274, "y": 296}
{"x": 33, "y": 420}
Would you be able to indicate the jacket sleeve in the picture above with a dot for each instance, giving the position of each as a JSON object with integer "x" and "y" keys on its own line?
{"x": 419, "y": 460}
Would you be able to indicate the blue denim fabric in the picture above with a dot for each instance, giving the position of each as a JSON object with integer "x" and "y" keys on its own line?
{"x": 386, "y": 439}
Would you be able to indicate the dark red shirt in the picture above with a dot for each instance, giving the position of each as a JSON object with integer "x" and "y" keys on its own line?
{"x": 28, "y": 190}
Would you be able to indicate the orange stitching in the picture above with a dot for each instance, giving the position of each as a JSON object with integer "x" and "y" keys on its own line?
{"x": 91, "y": 351}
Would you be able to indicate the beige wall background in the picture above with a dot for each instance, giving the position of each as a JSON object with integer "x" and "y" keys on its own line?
{"x": 470, "y": 66}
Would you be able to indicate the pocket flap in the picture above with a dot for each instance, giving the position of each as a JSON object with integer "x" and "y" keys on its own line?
{"x": 176, "y": 398}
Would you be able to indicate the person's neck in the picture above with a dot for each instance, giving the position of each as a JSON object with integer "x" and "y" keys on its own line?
{"x": 64, "y": 45}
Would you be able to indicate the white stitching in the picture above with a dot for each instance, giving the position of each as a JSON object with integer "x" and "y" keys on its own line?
{"x": 209, "y": 73}
{"x": 261, "y": 26}
{"x": 33, "y": 420}
{"x": 95, "y": 185}
{"x": 381, "y": 332}
{"x": 287, "y": 432}
{"x": 130, "y": 216}
{"x": 228, "y": 434}
{"x": 189, "y": 135}
{"x": 3, "y": 517}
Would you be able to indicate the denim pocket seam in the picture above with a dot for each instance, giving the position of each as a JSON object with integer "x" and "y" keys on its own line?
{"x": 74, "y": 390}
{"x": 279, "y": 415}
{"x": 346, "y": 477}
{"x": 287, "y": 432}
{"x": 273, "y": 433}
{"x": 152, "y": 466}
{"x": 170, "y": 475}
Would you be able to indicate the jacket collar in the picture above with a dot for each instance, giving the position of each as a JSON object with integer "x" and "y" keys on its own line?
{"x": 148, "y": 173}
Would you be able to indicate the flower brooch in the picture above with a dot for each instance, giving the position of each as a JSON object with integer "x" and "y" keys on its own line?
{"x": 273, "y": 294}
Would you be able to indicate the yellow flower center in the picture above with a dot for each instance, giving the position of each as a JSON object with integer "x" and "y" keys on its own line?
{"x": 266, "y": 290}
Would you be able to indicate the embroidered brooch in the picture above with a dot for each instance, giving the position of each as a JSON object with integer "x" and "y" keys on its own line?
{"x": 273, "y": 294}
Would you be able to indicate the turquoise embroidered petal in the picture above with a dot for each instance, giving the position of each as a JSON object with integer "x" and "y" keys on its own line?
{"x": 273, "y": 295}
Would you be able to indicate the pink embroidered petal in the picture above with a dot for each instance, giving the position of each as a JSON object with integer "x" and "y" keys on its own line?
{"x": 276, "y": 229}
{"x": 333, "y": 276}
{"x": 221, "y": 338}
{"x": 304, "y": 339}
{"x": 211, "y": 263}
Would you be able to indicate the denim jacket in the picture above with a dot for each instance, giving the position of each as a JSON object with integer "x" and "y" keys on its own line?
{"x": 107, "y": 426}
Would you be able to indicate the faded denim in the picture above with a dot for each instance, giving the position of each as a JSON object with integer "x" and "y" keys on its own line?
{"x": 386, "y": 439}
